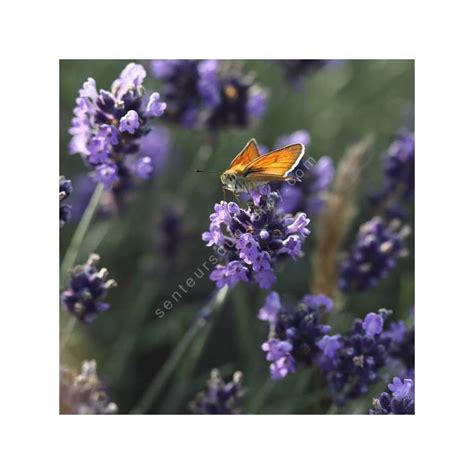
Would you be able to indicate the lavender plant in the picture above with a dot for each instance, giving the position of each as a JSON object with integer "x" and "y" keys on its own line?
{"x": 200, "y": 94}
{"x": 294, "y": 333}
{"x": 249, "y": 243}
{"x": 220, "y": 398}
{"x": 400, "y": 402}
{"x": 108, "y": 127}
{"x": 379, "y": 243}
{"x": 352, "y": 362}
{"x": 399, "y": 176}
{"x": 84, "y": 393}
{"x": 86, "y": 289}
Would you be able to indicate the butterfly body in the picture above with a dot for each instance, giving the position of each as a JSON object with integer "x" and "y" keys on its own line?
{"x": 249, "y": 169}
{"x": 237, "y": 184}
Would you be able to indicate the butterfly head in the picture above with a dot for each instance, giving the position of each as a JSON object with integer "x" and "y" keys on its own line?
{"x": 228, "y": 179}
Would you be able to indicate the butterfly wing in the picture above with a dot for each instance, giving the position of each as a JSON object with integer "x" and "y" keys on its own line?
{"x": 276, "y": 165}
{"x": 248, "y": 154}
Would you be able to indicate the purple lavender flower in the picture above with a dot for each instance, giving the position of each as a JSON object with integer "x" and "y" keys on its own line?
{"x": 65, "y": 189}
{"x": 373, "y": 324}
{"x": 250, "y": 242}
{"x": 155, "y": 108}
{"x": 378, "y": 246}
{"x": 156, "y": 146}
{"x": 86, "y": 288}
{"x": 400, "y": 402}
{"x": 130, "y": 122}
{"x": 240, "y": 103}
{"x": 279, "y": 353}
{"x": 297, "y": 335}
{"x": 399, "y": 172}
{"x": 144, "y": 167}
{"x": 271, "y": 308}
{"x": 84, "y": 393}
{"x": 220, "y": 398}
{"x": 299, "y": 136}
{"x": 352, "y": 362}
{"x": 200, "y": 95}
{"x": 208, "y": 82}
{"x": 108, "y": 126}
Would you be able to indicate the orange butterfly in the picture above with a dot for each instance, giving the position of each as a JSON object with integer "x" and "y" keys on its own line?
{"x": 249, "y": 169}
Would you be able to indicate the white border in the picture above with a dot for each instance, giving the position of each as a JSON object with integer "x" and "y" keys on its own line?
{"x": 36, "y": 34}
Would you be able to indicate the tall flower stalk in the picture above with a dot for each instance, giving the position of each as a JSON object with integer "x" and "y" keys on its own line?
{"x": 336, "y": 218}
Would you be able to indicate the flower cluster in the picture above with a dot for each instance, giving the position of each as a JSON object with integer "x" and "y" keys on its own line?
{"x": 250, "y": 242}
{"x": 84, "y": 393}
{"x": 400, "y": 402}
{"x": 378, "y": 245}
{"x": 399, "y": 171}
{"x": 200, "y": 94}
{"x": 220, "y": 398}
{"x": 296, "y": 70}
{"x": 86, "y": 288}
{"x": 295, "y": 334}
{"x": 351, "y": 362}
{"x": 108, "y": 126}
{"x": 65, "y": 189}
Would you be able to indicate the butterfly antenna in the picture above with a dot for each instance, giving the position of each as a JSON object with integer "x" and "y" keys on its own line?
{"x": 206, "y": 171}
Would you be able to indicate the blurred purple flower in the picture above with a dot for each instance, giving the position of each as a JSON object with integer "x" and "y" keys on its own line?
{"x": 200, "y": 94}
{"x": 399, "y": 173}
{"x": 144, "y": 167}
{"x": 377, "y": 247}
{"x": 86, "y": 288}
{"x": 220, "y": 398}
{"x": 270, "y": 309}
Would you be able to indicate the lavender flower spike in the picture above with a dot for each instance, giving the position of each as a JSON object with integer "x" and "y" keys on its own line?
{"x": 220, "y": 398}
{"x": 400, "y": 402}
{"x": 297, "y": 336}
{"x": 84, "y": 393}
{"x": 86, "y": 288}
{"x": 250, "y": 242}
{"x": 109, "y": 127}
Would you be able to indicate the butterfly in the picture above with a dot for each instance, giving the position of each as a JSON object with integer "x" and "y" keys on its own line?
{"x": 249, "y": 169}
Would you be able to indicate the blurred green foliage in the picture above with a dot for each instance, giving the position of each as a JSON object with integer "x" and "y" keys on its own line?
{"x": 337, "y": 106}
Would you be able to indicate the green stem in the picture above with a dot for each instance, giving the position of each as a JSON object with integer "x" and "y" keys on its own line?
{"x": 73, "y": 250}
{"x": 81, "y": 230}
{"x": 71, "y": 324}
{"x": 162, "y": 376}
